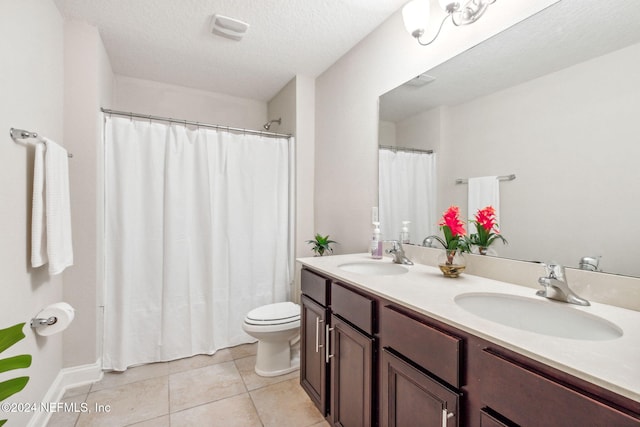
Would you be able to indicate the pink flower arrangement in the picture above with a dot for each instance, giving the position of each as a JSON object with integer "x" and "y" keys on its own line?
{"x": 451, "y": 219}
{"x": 453, "y": 229}
{"x": 486, "y": 228}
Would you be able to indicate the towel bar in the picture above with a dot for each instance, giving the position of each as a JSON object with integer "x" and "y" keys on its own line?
{"x": 17, "y": 134}
{"x": 500, "y": 178}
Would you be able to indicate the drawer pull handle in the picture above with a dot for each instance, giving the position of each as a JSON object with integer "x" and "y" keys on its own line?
{"x": 445, "y": 416}
{"x": 326, "y": 347}
{"x": 318, "y": 345}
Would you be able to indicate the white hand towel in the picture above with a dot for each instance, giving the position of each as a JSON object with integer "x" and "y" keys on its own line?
{"x": 38, "y": 228}
{"x": 483, "y": 191}
{"x": 51, "y": 217}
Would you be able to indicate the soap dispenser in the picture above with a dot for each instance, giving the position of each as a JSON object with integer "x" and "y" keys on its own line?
{"x": 376, "y": 242}
{"x": 404, "y": 232}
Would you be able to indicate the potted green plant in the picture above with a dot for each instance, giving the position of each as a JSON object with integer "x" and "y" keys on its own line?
{"x": 321, "y": 244}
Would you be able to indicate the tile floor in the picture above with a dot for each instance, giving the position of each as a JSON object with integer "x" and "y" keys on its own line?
{"x": 208, "y": 391}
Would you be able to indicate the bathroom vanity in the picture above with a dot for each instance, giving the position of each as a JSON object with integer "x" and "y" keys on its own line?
{"x": 391, "y": 347}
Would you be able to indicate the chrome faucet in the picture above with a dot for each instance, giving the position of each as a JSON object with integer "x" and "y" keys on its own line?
{"x": 589, "y": 263}
{"x": 398, "y": 253}
{"x": 556, "y": 286}
{"x": 428, "y": 241}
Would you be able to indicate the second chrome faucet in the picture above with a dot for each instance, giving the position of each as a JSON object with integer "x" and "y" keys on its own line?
{"x": 398, "y": 253}
{"x": 556, "y": 286}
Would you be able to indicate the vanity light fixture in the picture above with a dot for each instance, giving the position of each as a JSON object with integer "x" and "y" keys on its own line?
{"x": 415, "y": 15}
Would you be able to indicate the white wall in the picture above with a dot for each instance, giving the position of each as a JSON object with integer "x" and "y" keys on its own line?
{"x": 295, "y": 105}
{"x": 387, "y": 134}
{"x": 283, "y": 106}
{"x": 88, "y": 86}
{"x": 165, "y": 100}
{"x": 422, "y": 131}
{"x": 31, "y": 88}
{"x": 305, "y": 143}
{"x": 347, "y": 114}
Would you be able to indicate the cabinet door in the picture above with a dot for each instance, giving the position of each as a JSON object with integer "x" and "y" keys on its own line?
{"x": 313, "y": 366}
{"x": 351, "y": 375}
{"x": 410, "y": 398}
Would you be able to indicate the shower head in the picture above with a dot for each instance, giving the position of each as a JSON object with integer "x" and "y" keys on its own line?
{"x": 267, "y": 125}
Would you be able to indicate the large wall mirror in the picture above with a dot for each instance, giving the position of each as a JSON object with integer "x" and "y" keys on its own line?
{"x": 554, "y": 100}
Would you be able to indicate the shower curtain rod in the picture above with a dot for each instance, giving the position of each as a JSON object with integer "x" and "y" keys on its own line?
{"x": 191, "y": 122}
{"x": 406, "y": 150}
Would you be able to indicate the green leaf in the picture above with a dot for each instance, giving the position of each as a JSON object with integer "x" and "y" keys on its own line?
{"x": 10, "y": 336}
{"x": 321, "y": 244}
{"x": 2, "y": 422}
{"x": 16, "y": 362}
{"x": 12, "y": 386}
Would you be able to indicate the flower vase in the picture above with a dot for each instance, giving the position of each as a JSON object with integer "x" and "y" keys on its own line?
{"x": 482, "y": 250}
{"x": 451, "y": 262}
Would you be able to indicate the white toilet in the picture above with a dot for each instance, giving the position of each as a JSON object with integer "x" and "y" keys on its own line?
{"x": 277, "y": 328}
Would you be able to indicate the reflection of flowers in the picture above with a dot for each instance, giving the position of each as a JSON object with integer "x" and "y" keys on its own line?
{"x": 486, "y": 229}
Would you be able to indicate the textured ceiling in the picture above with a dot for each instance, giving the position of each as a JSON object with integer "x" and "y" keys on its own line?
{"x": 170, "y": 40}
{"x": 564, "y": 34}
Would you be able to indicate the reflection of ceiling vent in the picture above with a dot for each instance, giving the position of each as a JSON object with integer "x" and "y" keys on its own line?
{"x": 420, "y": 80}
{"x": 230, "y": 28}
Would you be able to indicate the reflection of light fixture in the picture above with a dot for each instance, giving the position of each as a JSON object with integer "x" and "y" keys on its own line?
{"x": 416, "y": 15}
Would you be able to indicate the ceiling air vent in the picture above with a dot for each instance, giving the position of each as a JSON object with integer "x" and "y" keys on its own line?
{"x": 420, "y": 80}
{"x": 230, "y": 28}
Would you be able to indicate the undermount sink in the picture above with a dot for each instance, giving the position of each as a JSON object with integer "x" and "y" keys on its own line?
{"x": 540, "y": 316}
{"x": 374, "y": 268}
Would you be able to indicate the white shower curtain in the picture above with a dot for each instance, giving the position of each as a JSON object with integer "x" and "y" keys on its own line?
{"x": 196, "y": 235}
{"x": 407, "y": 192}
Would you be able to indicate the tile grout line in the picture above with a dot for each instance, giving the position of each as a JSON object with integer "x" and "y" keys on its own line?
{"x": 169, "y": 394}
{"x": 255, "y": 408}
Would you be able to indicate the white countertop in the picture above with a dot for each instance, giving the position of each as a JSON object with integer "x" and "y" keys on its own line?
{"x": 612, "y": 364}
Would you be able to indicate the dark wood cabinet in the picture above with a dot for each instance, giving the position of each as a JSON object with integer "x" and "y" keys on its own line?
{"x": 338, "y": 351}
{"x": 527, "y": 397}
{"x": 430, "y": 373}
{"x": 411, "y": 398}
{"x": 435, "y": 350}
{"x": 351, "y": 375}
{"x": 420, "y": 372}
{"x": 313, "y": 366}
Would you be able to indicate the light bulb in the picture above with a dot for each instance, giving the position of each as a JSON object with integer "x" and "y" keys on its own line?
{"x": 415, "y": 15}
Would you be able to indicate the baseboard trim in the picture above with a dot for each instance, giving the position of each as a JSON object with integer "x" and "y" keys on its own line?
{"x": 67, "y": 378}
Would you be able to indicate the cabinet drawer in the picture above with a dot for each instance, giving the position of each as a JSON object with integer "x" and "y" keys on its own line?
{"x": 528, "y": 398}
{"x": 433, "y": 349}
{"x": 353, "y": 307}
{"x": 315, "y": 286}
{"x": 488, "y": 419}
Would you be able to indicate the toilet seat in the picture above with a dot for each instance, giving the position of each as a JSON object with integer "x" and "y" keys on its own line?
{"x": 280, "y": 313}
